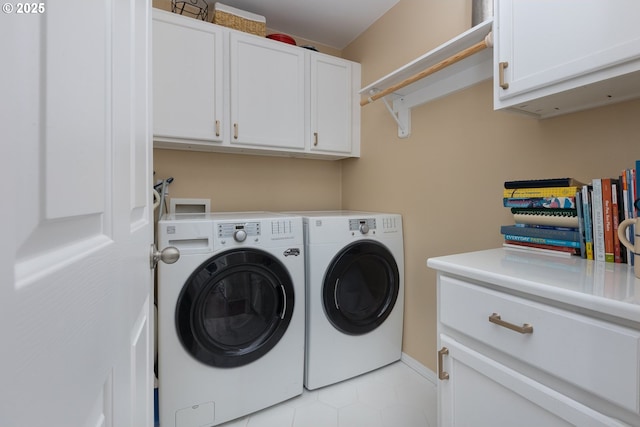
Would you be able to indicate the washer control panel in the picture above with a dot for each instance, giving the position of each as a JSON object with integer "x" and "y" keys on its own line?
{"x": 238, "y": 231}
{"x": 362, "y": 225}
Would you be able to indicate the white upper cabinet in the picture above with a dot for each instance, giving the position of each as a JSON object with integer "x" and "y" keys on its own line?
{"x": 555, "y": 57}
{"x": 187, "y": 79}
{"x": 217, "y": 89}
{"x": 334, "y": 104}
{"x": 267, "y": 93}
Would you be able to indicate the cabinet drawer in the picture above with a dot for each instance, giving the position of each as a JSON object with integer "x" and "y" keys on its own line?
{"x": 597, "y": 356}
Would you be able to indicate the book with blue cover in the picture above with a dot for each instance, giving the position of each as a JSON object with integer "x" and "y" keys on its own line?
{"x": 546, "y": 233}
{"x": 544, "y": 241}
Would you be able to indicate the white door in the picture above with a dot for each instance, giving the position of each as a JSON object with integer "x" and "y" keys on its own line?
{"x": 75, "y": 164}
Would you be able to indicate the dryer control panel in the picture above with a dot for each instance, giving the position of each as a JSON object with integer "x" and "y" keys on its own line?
{"x": 362, "y": 225}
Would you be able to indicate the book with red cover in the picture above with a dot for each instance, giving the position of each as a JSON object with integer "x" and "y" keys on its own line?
{"x": 607, "y": 218}
{"x": 567, "y": 249}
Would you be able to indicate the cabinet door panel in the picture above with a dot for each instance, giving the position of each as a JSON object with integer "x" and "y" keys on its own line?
{"x": 187, "y": 78}
{"x": 267, "y": 93}
{"x": 556, "y": 46}
{"x": 331, "y": 95}
{"x": 481, "y": 392}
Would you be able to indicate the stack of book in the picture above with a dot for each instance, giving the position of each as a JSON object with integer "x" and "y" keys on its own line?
{"x": 545, "y": 212}
{"x": 566, "y": 217}
{"x": 606, "y": 203}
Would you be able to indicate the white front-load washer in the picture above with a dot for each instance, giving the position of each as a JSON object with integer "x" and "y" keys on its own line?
{"x": 230, "y": 315}
{"x": 355, "y": 294}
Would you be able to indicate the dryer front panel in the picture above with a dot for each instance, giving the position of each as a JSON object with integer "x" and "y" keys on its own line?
{"x": 234, "y": 308}
{"x": 360, "y": 287}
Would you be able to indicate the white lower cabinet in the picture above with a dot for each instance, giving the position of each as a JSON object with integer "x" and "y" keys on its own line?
{"x": 482, "y": 392}
{"x": 535, "y": 341}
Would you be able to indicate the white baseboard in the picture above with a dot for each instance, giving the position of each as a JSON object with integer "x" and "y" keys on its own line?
{"x": 420, "y": 368}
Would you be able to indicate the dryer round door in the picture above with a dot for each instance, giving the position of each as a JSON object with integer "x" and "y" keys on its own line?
{"x": 234, "y": 308}
{"x": 360, "y": 287}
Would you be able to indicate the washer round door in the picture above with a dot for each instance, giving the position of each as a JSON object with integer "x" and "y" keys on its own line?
{"x": 234, "y": 308}
{"x": 360, "y": 287}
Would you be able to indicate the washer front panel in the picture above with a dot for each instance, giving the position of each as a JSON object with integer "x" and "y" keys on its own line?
{"x": 234, "y": 308}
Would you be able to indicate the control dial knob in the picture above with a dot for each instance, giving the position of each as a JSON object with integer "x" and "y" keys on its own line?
{"x": 364, "y": 228}
{"x": 240, "y": 235}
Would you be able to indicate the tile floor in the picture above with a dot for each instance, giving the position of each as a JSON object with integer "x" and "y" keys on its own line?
{"x": 393, "y": 396}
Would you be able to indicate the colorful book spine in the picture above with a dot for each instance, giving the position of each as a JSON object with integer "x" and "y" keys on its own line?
{"x": 539, "y": 192}
{"x": 537, "y": 250}
{"x": 552, "y": 227}
{"x": 633, "y": 192}
{"x": 617, "y": 247}
{"x": 626, "y": 206}
{"x": 540, "y": 202}
{"x": 550, "y": 217}
{"x": 548, "y": 182}
{"x": 528, "y": 245}
{"x": 636, "y": 180}
{"x": 545, "y": 233}
{"x": 598, "y": 220}
{"x": 552, "y": 242}
{"x": 586, "y": 215}
{"x": 583, "y": 252}
{"x": 607, "y": 219}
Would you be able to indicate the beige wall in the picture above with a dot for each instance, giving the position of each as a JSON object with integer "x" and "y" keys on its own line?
{"x": 446, "y": 179}
{"x": 236, "y": 182}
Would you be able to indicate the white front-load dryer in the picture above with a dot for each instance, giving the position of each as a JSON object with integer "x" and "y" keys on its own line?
{"x": 355, "y": 294}
{"x": 230, "y": 316}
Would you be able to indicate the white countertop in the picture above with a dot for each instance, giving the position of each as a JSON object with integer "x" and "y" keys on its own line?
{"x": 606, "y": 288}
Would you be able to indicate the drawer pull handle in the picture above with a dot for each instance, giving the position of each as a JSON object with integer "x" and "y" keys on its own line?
{"x": 441, "y": 353}
{"x": 524, "y": 329}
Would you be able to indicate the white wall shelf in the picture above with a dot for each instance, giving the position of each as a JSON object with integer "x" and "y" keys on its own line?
{"x": 460, "y": 75}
